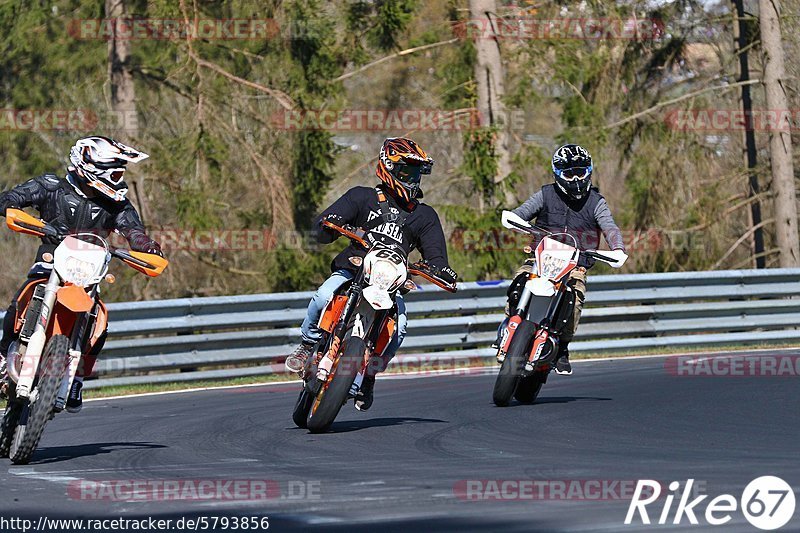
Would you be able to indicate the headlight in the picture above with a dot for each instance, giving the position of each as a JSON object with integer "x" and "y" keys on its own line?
{"x": 79, "y": 262}
{"x": 551, "y": 266}
{"x": 383, "y": 275}
{"x": 78, "y": 272}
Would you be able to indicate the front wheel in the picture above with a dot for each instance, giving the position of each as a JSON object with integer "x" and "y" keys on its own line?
{"x": 528, "y": 387}
{"x": 332, "y": 397}
{"x": 34, "y": 416}
{"x": 507, "y": 379}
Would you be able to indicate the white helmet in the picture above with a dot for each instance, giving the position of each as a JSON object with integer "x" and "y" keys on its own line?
{"x": 100, "y": 163}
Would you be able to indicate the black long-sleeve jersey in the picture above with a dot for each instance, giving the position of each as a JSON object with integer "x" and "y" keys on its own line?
{"x": 421, "y": 229}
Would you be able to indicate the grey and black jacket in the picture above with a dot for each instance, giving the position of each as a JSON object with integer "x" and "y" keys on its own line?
{"x": 585, "y": 219}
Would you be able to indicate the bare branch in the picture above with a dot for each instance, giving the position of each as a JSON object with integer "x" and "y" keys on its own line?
{"x": 680, "y": 99}
{"x": 392, "y": 56}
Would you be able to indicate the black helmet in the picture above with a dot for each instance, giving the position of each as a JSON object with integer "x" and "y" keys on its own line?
{"x": 572, "y": 170}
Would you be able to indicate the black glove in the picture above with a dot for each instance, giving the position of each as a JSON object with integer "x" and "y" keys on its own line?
{"x": 335, "y": 219}
{"x": 140, "y": 242}
{"x": 447, "y": 275}
{"x": 154, "y": 248}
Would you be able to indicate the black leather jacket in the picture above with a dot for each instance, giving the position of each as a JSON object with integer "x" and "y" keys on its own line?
{"x": 65, "y": 209}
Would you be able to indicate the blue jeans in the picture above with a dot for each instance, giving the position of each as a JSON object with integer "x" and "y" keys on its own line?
{"x": 310, "y": 329}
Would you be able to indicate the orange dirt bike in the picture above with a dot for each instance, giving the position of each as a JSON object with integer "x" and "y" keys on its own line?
{"x": 358, "y": 324}
{"x": 539, "y": 307}
{"x": 59, "y": 320}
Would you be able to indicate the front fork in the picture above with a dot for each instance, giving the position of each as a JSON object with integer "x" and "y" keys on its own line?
{"x": 35, "y": 347}
{"x": 77, "y": 344}
{"x": 325, "y": 365}
{"x": 543, "y": 334}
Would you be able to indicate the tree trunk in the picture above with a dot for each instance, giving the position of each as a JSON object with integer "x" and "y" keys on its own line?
{"x": 123, "y": 96}
{"x": 780, "y": 141}
{"x": 749, "y": 134}
{"x": 489, "y": 77}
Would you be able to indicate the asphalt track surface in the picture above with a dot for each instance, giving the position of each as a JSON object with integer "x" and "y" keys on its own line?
{"x": 399, "y": 466}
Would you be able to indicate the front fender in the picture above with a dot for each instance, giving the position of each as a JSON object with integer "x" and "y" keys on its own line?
{"x": 541, "y": 287}
{"x": 75, "y": 299}
{"x": 379, "y": 299}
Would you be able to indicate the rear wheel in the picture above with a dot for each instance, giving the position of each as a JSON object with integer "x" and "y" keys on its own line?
{"x": 510, "y": 370}
{"x": 528, "y": 387}
{"x": 34, "y": 416}
{"x": 303, "y": 405}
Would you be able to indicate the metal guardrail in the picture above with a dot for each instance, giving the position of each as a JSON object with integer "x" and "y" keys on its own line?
{"x": 236, "y": 336}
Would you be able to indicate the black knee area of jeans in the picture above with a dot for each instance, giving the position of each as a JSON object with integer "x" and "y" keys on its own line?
{"x": 8, "y": 327}
{"x": 565, "y": 309}
{"x": 98, "y": 346}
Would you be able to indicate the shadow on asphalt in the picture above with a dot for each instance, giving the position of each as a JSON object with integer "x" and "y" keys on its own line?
{"x": 568, "y": 399}
{"x": 356, "y": 425}
{"x": 56, "y": 454}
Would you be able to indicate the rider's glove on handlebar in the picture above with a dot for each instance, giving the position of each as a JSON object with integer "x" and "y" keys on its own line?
{"x": 140, "y": 242}
{"x": 447, "y": 274}
{"x": 333, "y": 218}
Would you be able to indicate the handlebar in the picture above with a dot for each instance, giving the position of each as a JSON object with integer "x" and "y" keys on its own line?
{"x": 424, "y": 270}
{"x": 421, "y": 268}
{"x": 615, "y": 258}
{"x": 21, "y": 222}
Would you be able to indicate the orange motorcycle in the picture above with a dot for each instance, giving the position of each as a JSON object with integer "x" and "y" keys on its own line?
{"x": 59, "y": 320}
{"x": 358, "y": 323}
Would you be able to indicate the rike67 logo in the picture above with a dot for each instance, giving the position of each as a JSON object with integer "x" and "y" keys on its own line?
{"x": 767, "y": 502}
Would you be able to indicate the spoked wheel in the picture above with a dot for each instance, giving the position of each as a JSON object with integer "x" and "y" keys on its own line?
{"x": 9, "y": 424}
{"x": 34, "y": 416}
{"x": 510, "y": 370}
{"x": 333, "y": 395}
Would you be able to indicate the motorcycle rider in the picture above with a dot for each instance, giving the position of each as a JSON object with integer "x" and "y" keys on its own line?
{"x": 391, "y": 213}
{"x": 572, "y": 205}
{"x": 92, "y": 199}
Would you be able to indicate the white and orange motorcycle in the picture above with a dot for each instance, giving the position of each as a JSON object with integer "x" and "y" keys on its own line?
{"x": 59, "y": 320}
{"x": 539, "y": 307}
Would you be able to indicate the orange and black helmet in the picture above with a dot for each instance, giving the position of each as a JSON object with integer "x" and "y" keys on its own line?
{"x": 401, "y": 165}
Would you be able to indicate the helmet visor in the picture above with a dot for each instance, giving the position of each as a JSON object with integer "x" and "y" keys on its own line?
{"x": 575, "y": 173}
{"x": 410, "y": 174}
{"x": 115, "y": 176}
